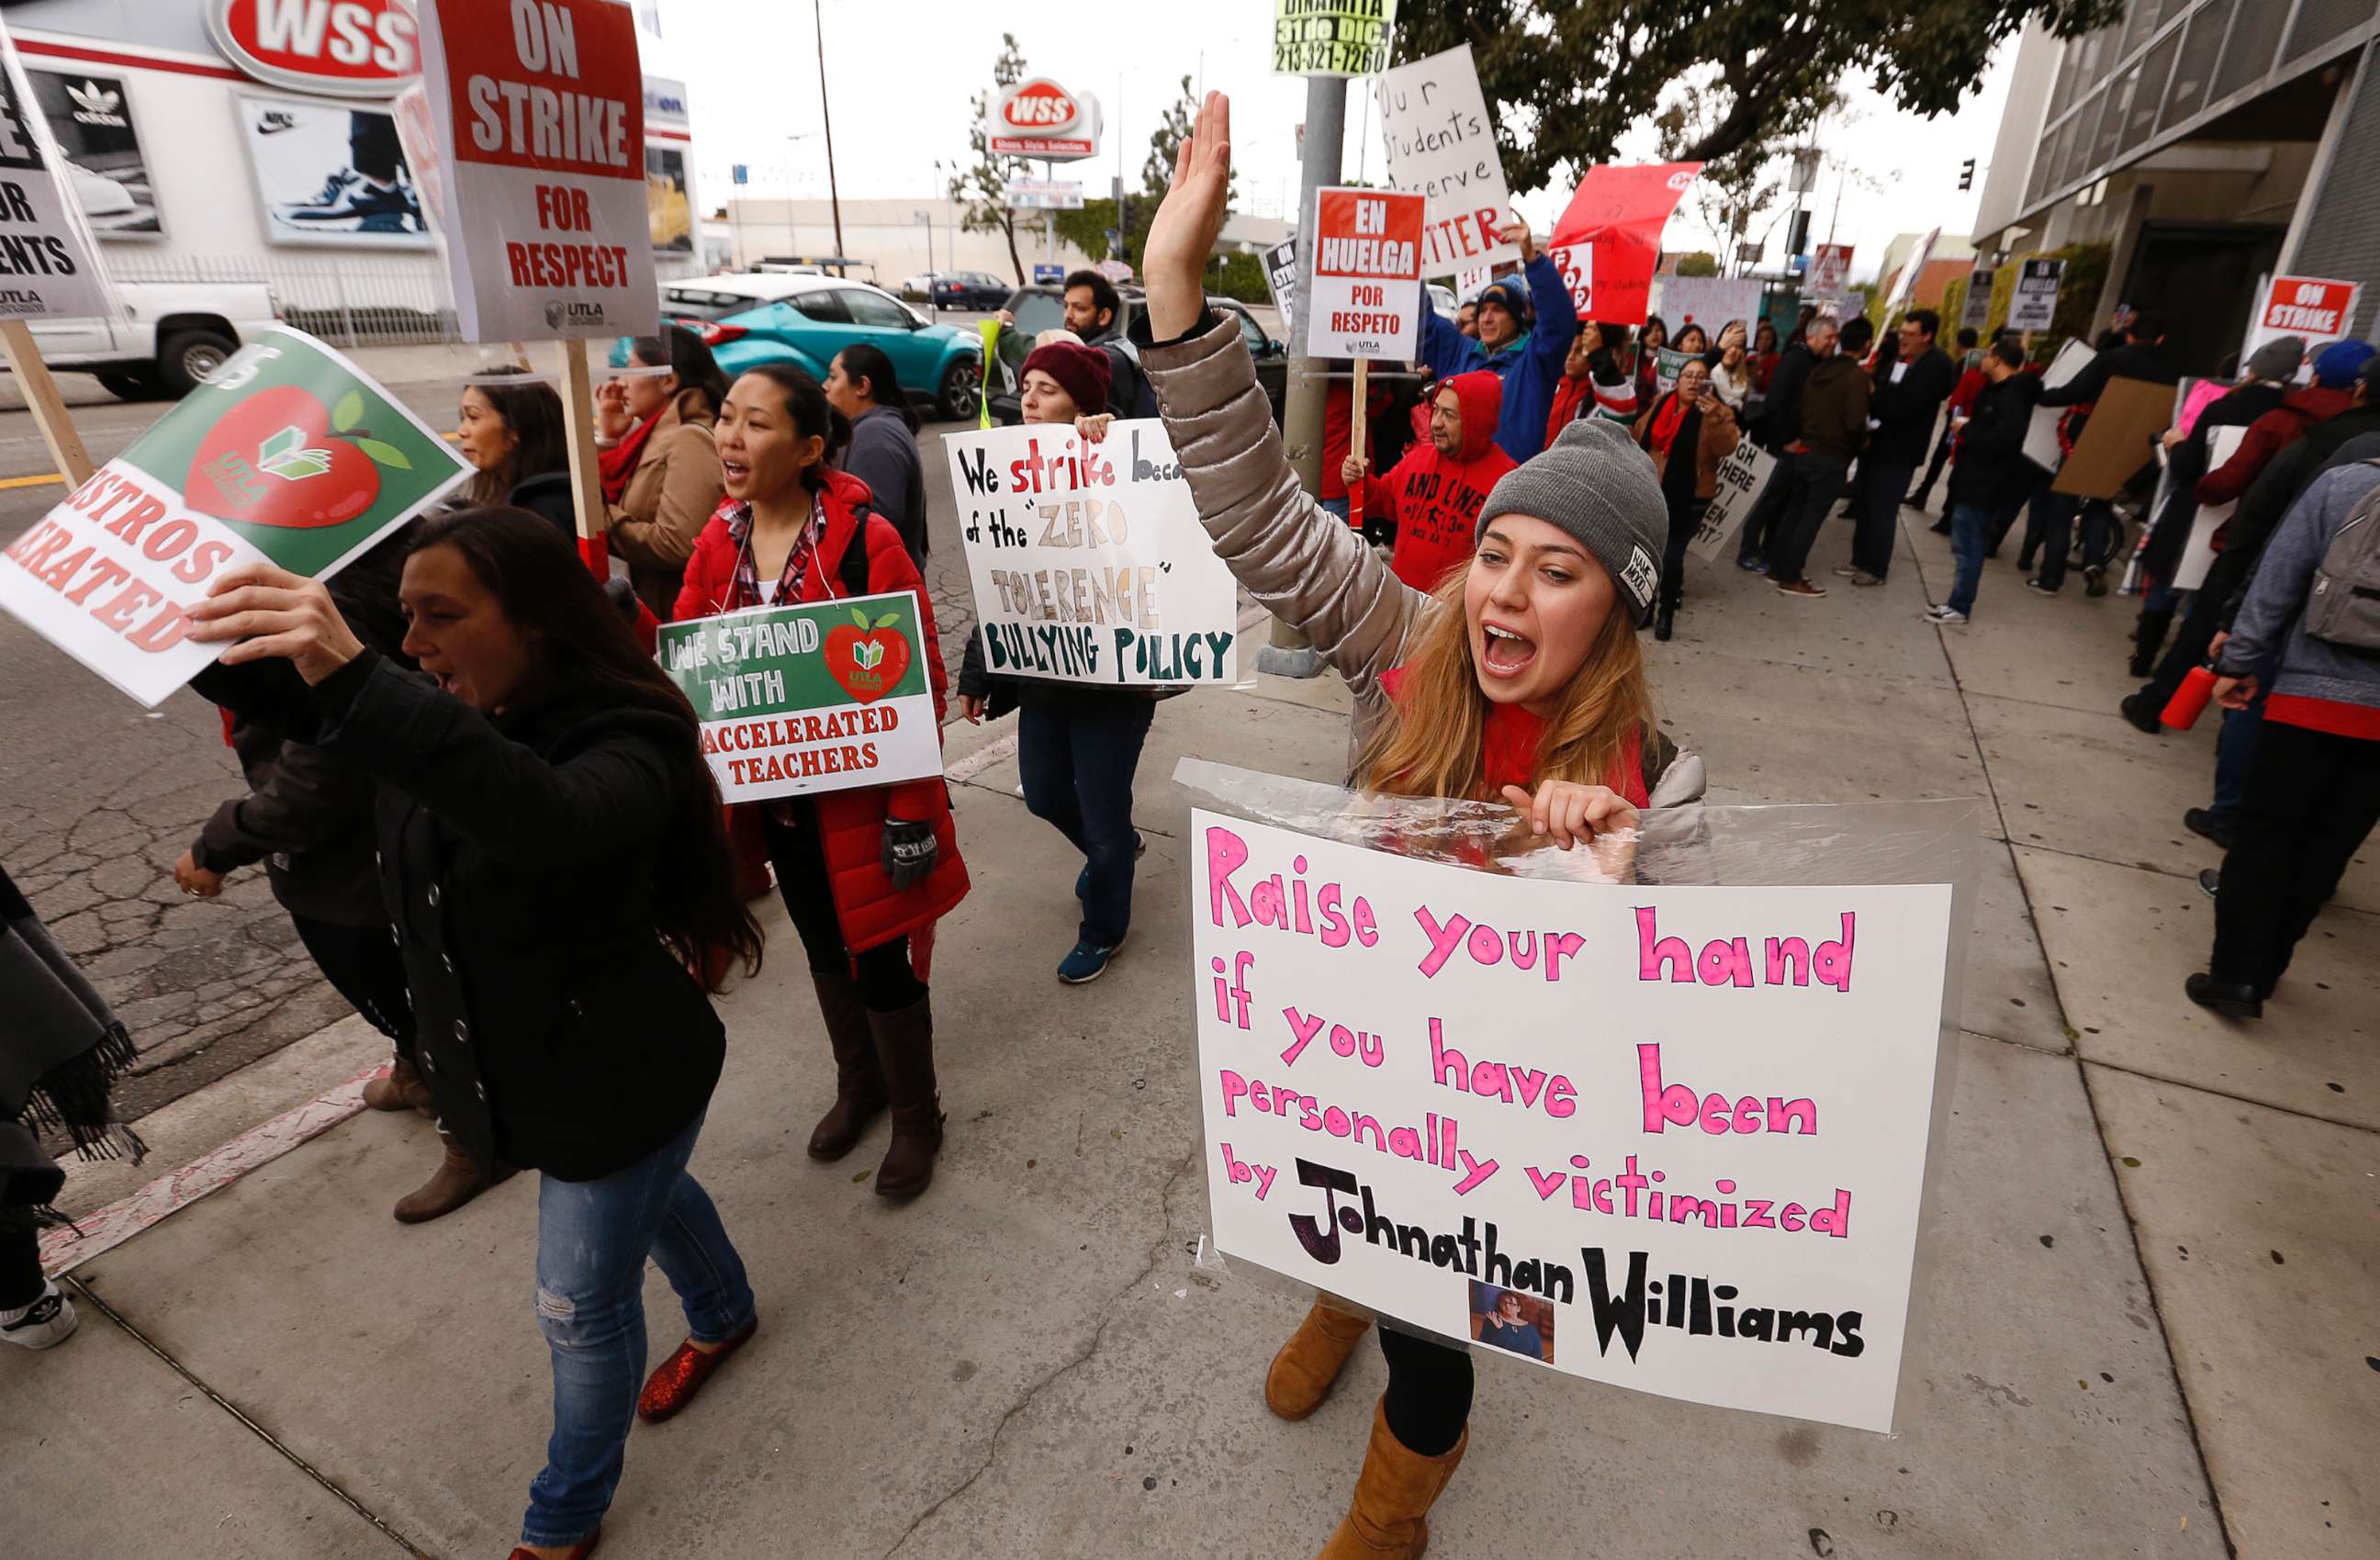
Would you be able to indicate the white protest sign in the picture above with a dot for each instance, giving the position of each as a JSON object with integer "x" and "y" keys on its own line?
{"x": 1912, "y": 269}
{"x": 1742, "y": 476}
{"x": 1707, "y": 301}
{"x": 1471, "y": 280}
{"x": 1441, "y": 145}
{"x": 1830, "y": 273}
{"x": 1088, "y": 562}
{"x": 540, "y": 116}
{"x": 2041, "y": 434}
{"x": 1332, "y": 37}
{"x": 2315, "y": 307}
{"x": 2198, "y": 553}
{"x": 2035, "y": 304}
{"x": 45, "y": 255}
{"x": 1576, "y": 264}
{"x": 795, "y": 700}
{"x": 1280, "y": 280}
{"x": 1366, "y": 275}
{"x": 1687, "y": 1125}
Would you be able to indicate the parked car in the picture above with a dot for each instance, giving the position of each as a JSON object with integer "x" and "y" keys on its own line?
{"x": 1441, "y": 299}
{"x": 172, "y": 335}
{"x": 975, "y": 290}
{"x": 918, "y": 288}
{"x": 805, "y": 320}
{"x": 1039, "y": 309}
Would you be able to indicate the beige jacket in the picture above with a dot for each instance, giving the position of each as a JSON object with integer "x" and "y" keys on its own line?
{"x": 672, "y": 495}
{"x": 1314, "y": 571}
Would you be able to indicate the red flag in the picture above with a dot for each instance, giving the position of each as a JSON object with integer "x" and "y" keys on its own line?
{"x": 1620, "y": 213}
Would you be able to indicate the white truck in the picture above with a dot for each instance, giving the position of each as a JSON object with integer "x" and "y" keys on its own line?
{"x": 171, "y": 335}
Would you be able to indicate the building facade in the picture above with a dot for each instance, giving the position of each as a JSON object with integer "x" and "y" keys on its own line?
{"x": 2208, "y": 143}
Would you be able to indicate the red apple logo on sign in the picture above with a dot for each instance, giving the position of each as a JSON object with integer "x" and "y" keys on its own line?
{"x": 1040, "y": 105}
{"x": 867, "y": 659}
{"x": 277, "y": 459}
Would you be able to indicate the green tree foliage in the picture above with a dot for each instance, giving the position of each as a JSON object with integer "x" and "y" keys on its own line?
{"x": 982, "y": 191}
{"x": 2084, "y": 279}
{"x": 1088, "y": 229}
{"x": 1698, "y": 262}
{"x": 1567, "y": 78}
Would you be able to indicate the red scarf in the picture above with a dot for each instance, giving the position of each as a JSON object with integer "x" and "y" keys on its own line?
{"x": 1569, "y": 396}
{"x": 1512, "y": 746}
{"x": 619, "y": 462}
{"x": 1666, "y": 421}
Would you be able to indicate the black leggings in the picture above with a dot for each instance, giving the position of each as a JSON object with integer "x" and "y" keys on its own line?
{"x": 20, "y": 1259}
{"x": 887, "y": 984}
{"x": 1428, "y": 1399}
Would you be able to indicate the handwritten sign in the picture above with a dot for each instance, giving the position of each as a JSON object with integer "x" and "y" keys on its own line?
{"x": 1620, "y": 212}
{"x": 1707, "y": 301}
{"x": 1332, "y": 37}
{"x": 1830, "y": 273}
{"x": 1576, "y": 264}
{"x": 1692, "y": 1122}
{"x": 1441, "y": 146}
{"x": 2035, "y": 304}
{"x": 2321, "y": 310}
{"x": 289, "y": 453}
{"x": 1742, "y": 476}
{"x": 794, "y": 700}
{"x": 1088, "y": 562}
{"x": 1367, "y": 271}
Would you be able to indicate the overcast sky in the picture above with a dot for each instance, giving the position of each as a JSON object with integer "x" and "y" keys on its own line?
{"x": 902, "y": 76}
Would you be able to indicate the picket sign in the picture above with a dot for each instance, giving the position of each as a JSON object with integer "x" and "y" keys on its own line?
{"x": 2041, "y": 435}
{"x": 1358, "y": 441}
{"x": 1742, "y": 476}
{"x": 48, "y": 407}
{"x": 2198, "y": 553}
{"x": 587, "y": 503}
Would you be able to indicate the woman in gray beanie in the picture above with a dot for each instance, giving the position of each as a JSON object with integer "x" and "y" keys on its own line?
{"x": 1520, "y": 679}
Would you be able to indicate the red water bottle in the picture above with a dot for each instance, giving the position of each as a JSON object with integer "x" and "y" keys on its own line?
{"x": 2189, "y": 700}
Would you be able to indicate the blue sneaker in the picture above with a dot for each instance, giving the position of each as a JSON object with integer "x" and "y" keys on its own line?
{"x": 1087, "y": 963}
{"x": 1083, "y": 878}
{"x": 1753, "y": 565}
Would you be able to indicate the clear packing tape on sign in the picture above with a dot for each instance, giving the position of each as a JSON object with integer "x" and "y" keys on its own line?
{"x": 1748, "y": 1012}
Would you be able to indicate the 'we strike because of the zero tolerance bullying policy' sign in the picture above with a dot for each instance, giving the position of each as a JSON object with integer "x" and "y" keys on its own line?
{"x": 1367, "y": 274}
{"x": 1088, "y": 562}
{"x": 538, "y": 109}
{"x": 288, "y": 453}
{"x": 1686, "y": 1127}
{"x": 801, "y": 699}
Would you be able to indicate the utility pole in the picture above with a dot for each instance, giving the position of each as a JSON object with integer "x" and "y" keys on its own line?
{"x": 1288, "y": 654}
{"x": 834, "y": 196}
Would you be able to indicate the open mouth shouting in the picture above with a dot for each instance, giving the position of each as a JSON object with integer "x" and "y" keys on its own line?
{"x": 1504, "y": 653}
{"x": 733, "y": 475}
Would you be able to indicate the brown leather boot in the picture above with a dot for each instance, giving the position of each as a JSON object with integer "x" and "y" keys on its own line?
{"x": 904, "y": 1045}
{"x": 859, "y": 1092}
{"x": 1389, "y": 1517}
{"x": 1309, "y": 1362}
{"x": 454, "y": 1182}
{"x": 400, "y": 1088}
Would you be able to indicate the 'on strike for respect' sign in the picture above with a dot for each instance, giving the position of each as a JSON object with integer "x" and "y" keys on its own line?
{"x": 1367, "y": 274}
{"x": 1686, "y": 1129}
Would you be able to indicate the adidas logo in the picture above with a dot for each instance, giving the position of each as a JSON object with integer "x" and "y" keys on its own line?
{"x": 95, "y": 105}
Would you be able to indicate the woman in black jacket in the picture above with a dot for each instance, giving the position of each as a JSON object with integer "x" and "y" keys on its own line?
{"x": 552, "y": 859}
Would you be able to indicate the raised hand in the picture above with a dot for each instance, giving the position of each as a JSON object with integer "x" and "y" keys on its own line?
{"x": 1182, "y": 236}
{"x": 273, "y": 612}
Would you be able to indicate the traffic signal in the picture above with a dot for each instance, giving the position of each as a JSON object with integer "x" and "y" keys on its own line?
{"x": 1798, "y": 234}
{"x": 1967, "y": 173}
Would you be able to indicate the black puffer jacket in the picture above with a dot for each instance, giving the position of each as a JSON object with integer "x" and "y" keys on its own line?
{"x": 517, "y": 860}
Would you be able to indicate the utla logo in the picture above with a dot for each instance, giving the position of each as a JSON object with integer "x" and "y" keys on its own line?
{"x": 867, "y": 657}
{"x": 345, "y": 48}
{"x": 279, "y": 457}
{"x": 1039, "y": 105}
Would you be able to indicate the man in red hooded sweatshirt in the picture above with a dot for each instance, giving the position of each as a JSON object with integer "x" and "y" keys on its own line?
{"x": 1435, "y": 492}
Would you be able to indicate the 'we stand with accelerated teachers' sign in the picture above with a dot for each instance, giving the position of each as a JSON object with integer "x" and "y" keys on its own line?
{"x": 1668, "y": 1138}
{"x": 1088, "y": 562}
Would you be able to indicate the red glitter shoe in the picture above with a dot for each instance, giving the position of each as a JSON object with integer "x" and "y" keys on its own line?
{"x": 578, "y": 1551}
{"x": 670, "y": 1388}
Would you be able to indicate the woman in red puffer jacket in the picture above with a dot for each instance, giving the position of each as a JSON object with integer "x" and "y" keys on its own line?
{"x": 865, "y": 873}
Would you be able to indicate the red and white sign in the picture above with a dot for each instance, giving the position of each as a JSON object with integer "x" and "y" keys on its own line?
{"x": 1830, "y": 272}
{"x": 343, "y": 48}
{"x": 1619, "y": 213}
{"x": 539, "y": 118}
{"x": 1367, "y": 274}
{"x": 1576, "y": 264}
{"x": 1040, "y": 119}
{"x": 2321, "y": 310}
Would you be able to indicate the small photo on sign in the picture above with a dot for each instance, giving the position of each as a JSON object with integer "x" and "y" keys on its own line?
{"x": 91, "y": 114}
{"x": 1508, "y": 1319}
{"x": 669, "y": 200}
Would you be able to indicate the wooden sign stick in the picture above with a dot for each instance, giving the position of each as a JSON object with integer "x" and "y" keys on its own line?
{"x": 586, "y": 469}
{"x": 1359, "y": 442}
{"x": 42, "y": 395}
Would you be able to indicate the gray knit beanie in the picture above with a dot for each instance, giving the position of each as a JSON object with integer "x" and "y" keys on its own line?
{"x": 1595, "y": 484}
{"x": 2278, "y": 359}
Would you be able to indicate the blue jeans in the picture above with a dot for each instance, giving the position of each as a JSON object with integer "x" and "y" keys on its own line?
{"x": 2235, "y": 748}
{"x": 593, "y": 1240}
{"x": 1878, "y": 522}
{"x": 1076, "y": 755}
{"x": 1338, "y": 506}
{"x": 1969, "y": 525}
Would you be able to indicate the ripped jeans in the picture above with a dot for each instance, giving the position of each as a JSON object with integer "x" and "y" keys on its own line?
{"x": 593, "y": 1240}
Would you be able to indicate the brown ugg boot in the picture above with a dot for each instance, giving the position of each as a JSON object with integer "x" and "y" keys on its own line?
{"x": 400, "y": 1088}
{"x": 1309, "y": 1362}
{"x": 904, "y": 1045}
{"x": 859, "y": 1090}
{"x": 1389, "y": 1517}
{"x": 454, "y": 1182}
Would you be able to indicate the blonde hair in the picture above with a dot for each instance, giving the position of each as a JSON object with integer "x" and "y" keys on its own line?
{"x": 1432, "y": 741}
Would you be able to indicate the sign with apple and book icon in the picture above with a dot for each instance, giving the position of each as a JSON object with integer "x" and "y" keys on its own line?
{"x": 289, "y": 453}
{"x": 795, "y": 700}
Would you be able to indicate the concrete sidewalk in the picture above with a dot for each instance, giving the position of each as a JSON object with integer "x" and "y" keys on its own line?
{"x": 2150, "y": 1329}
